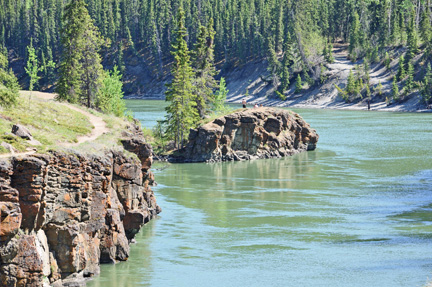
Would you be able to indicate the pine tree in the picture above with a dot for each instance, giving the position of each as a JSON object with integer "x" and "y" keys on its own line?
{"x": 220, "y": 97}
{"x": 401, "y": 71}
{"x": 410, "y": 79}
{"x": 69, "y": 85}
{"x": 204, "y": 69}
{"x": 354, "y": 37}
{"x": 80, "y": 66}
{"x": 426, "y": 30}
{"x": 351, "y": 84}
{"x": 426, "y": 86}
{"x": 181, "y": 111}
{"x": 285, "y": 78}
{"x": 299, "y": 85}
{"x": 387, "y": 61}
{"x": 395, "y": 89}
{"x": 412, "y": 37}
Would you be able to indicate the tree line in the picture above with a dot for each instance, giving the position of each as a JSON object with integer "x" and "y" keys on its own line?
{"x": 292, "y": 35}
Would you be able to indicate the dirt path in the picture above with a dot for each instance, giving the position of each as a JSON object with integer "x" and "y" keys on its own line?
{"x": 99, "y": 124}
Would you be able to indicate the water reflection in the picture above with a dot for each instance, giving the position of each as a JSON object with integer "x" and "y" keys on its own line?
{"x": 355, "y": 212}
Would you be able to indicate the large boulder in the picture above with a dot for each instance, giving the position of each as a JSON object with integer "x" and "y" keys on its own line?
{"x": 21, "y": 131}
{"x": 250, "y": 134}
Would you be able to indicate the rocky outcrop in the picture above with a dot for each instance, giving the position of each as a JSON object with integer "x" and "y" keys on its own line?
{"x": 63, "y": 214}
{"x": 250, "y": 134}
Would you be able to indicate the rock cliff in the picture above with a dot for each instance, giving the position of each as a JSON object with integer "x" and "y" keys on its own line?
{"x": 62, "y": 214}
{"x": 251, "y": 134}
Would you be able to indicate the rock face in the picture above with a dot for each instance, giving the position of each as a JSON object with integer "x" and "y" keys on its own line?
{"x": 251, "y": 134}
{"x": 63, "y": 214}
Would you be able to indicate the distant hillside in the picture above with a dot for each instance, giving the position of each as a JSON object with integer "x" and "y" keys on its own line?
{"x": 264, "y": 42}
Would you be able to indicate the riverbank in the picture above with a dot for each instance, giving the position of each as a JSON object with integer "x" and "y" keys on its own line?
{"x": 247, "y": 83}
{"x": 75, "y": 189}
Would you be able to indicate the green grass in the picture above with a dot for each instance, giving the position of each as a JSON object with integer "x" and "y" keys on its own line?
{"x": 49, "y": 122}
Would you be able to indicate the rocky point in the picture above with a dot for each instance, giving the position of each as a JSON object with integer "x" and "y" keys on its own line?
{"x": 250, "y": 134}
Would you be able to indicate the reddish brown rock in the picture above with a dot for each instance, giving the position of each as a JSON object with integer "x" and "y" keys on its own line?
{"x": 63, "y": 214}
{"x": 250, "y": 134}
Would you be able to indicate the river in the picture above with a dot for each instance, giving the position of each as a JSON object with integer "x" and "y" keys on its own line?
{"x": 355, "y": 212}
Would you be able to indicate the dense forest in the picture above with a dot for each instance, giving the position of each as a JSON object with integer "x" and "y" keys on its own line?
{"x": 292, "y": 35}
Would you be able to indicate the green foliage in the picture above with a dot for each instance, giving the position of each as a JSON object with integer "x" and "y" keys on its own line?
{"x": 342, "y": 93}
{"x": 245, "y": 31}
{"x": 401, "y": 74}
{"x": 322, "y": 72}
{"x": 387, "y": 61}
{"x": 9, "y": 86}
{"x": 351, "y": 84}
{"x": 395, "y": 90}
{"x": 181, "y": 111}
{"x": 220, "y": 97}
{"x": 368, "y": 92}
{"x": 426, "y": 87}
{"x": 80, "y": 67}
{"x": 281, "y": 96}
{"x": 110, "y": 96}
{"x": 328, "y": 56}
{"x": 203, "y": 62}
{"x": 355, "y": 40}
{"x": 410, "y": 78}
{"x": 412, "y": 37}
{"x": 299, "y": 84}
{"x": 378, "y": 88}
{"x": 32, "y": 68}
{"x": 426, "y": 30}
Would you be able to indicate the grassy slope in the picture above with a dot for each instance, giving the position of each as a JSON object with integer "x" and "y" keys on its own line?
{"x": 52, "y": 124}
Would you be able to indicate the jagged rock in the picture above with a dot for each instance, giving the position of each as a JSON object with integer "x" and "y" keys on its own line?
{"x": 62, "y": 214}
{"x": 250, "y": 134}
{"x": 21, "y": 131}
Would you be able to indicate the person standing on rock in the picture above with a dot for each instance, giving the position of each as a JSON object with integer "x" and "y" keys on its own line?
{"x": 244, "y": 103}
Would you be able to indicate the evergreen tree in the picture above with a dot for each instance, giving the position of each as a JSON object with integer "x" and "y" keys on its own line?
{"x": 80, "y": 66}
{"x": 69, "y": 87}
{"x": 354, "y": 42}
{"x": 426, "y": 86}
{"x": 220, "y": 97}
{"x": 351, "y": 84}
{"x": 299, "y": 85}
{"x": 181, "y": 111}
{"x": 387, "y": 61}
{"x": 426, "y": 30}
{"x": 395, "y": 89}
{"x": 401, "y": 71}
{"x": 410, "y": 78}
{"x": 204, "y": 69}
{"x": 412, "y": 37}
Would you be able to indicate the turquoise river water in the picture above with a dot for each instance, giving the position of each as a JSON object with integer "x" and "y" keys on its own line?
{"x": 355, "y": 212}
